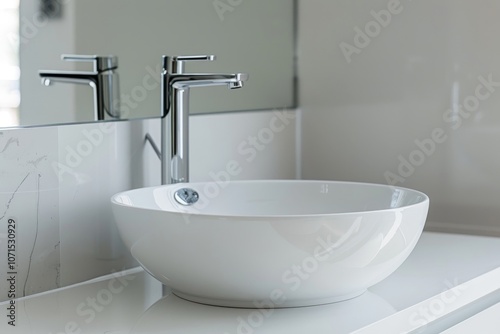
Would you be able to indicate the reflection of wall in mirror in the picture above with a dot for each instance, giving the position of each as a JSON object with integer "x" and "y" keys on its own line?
{"x": 255, "y": 37}
{"x": 42, "y": 41}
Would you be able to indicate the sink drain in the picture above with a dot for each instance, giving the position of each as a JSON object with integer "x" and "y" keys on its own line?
{"x": 186, "y": 196}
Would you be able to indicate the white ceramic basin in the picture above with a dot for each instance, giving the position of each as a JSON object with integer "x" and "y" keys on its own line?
{"x": 271, "y": 243}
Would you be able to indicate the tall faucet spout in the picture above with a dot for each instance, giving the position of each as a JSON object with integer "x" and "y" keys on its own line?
{"x": 176, "y": 84}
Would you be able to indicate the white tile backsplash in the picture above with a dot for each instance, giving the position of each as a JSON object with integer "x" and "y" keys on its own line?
{"x": 29, "y": 197}
{"x": 55, "y": 184}
{"x": 263, "y": 143}
{"x": 99, "y": 158}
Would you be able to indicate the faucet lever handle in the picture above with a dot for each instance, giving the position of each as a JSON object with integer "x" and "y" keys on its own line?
{"x": 194, "y": 58}
{"x": 101, "y": 63}
{"x": 177, "y": 62}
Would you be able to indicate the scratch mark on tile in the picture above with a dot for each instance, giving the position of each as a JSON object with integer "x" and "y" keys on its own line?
{"x": 36, "y": 233}
{"x": 10, "y": 142}
{"x": 58, "y": 266}
{"x": 37, "y": 161}
{"x": 7, "y": 206}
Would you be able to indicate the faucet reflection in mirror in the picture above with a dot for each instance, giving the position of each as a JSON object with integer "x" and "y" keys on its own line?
{"x": 176, "y": 84}
{"x": 103, "y": 79}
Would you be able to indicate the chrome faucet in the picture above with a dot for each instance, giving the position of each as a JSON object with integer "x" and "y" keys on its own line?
{"x": 103, "y": 79}
{"x": 175, "y": 88}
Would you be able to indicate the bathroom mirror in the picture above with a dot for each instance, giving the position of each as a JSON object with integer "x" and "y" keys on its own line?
{"x": 253, "y": 36}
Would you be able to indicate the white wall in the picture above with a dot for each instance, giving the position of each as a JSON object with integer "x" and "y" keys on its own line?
{"x": 364, "y": 114}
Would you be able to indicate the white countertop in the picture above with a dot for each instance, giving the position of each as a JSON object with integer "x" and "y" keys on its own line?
{"x": 447, "y": 278}
{"x": 485, "y": 322}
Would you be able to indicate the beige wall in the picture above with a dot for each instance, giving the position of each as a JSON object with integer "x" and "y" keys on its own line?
{"x": 385, "y": 106}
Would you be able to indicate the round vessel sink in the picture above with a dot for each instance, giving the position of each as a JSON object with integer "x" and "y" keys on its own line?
{"x": 270, "y": 244}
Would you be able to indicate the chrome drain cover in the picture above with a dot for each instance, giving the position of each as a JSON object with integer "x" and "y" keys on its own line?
{"x": 186, "y": 196}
